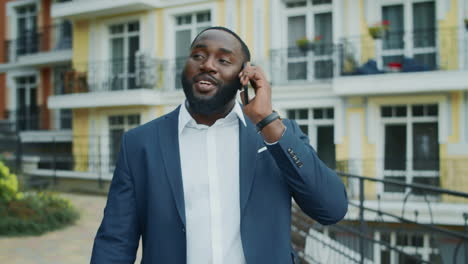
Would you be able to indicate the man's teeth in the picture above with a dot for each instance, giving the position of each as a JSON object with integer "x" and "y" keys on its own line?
{"x": 204, "y": 82}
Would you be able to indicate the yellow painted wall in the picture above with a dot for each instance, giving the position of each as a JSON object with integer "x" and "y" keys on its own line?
{"x": 221, "y": 16}
{"x": 448, "y": 38}
{"x": 456, "y": 99}
{"x": 367, "y": 162}
{"x": 80, "y": 139}
{"x": 80, "y": 45}
{"x": 366, "y": 41}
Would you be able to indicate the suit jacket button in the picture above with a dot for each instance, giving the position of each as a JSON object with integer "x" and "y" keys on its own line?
{"x": 290, "y": 150}
{"x": 299, "y": 164}
{"x": 183, "y": 230}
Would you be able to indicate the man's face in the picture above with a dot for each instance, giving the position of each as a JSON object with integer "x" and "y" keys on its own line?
{"x": 210, "y": 77}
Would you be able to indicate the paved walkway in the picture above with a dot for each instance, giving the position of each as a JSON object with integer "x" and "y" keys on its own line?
{"x": 67, "y": 246}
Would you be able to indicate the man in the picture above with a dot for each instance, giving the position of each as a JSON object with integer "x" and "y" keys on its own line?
{"x": 200, "y": 185}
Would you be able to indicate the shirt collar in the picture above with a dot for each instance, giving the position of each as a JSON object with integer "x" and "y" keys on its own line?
{"x": 185, "y": 117}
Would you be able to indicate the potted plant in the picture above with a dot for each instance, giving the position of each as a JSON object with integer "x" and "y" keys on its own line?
{"x": 304, "y": 44}
{"x": 378, "y": 30}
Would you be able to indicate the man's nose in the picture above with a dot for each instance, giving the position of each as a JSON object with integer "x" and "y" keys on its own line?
{"x": 208, "y": 65}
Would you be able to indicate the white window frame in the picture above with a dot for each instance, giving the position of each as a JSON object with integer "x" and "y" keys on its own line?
{"x": 99, "y": 138}
{"x": 13, "y": 20}
{"x": 125, "y": 35}
{"x": 170, "y": 28}
{"x": 409, "y": 173}
{"x": 425, "y": 251}
{"x": 408, "y": 50}
{"x": 309, "y": 11}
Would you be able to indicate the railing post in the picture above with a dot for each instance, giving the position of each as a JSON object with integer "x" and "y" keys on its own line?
{"x": 361, "y": 220}
{"x": 54, "y": 159}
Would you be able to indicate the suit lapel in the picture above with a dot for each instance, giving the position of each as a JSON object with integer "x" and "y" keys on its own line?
{"x": 247, "y": 160}
{"x": 169, "y": 141}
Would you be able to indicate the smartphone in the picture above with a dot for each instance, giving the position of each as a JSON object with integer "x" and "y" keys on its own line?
{"x": 245, "y": 88}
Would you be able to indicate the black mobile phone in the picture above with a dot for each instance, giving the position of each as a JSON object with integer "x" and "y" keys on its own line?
{"x": 245, "y": 88}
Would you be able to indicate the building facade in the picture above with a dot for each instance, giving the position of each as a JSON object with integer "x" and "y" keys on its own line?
{"x": 380, "y": 86}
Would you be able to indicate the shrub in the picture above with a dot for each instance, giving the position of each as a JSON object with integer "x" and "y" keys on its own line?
{"x": 30, "y": 213}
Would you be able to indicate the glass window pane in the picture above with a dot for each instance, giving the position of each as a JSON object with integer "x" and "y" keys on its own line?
{"x": 134, "y": 27}
{"x": 296, "y": 4}
{"x": 386, "y": 111}
{"x": 425, "y": 146}
{"x": 291, "y": 114}
{"x": 203, "y": 17}
{"x": 319, "y": 2}
{"x": 400, "y": 111}
{"x": 418, "y": 110}
{"x": 432, "y": 110}
{"x": 303, "y": 114}
{"x": 117, "y": 29}
{"x": 402, "y": 240}
{"x": 389, "y": 187}
{"x": 393, "y": 38}
{"x": 297, "y": 71}
{"x": 395, "y": 147}
{"x": 326, "y": 145}
{"x": 424, "y": 24}
{"x": 426, "y": 59}
{"x": 323, "y": 31}
{"x": 329, "y": 113}
{"x": 296, "y": 29}
{"x": 323, "y": 69}
{"x": 417, "y": 240}
{"x": 318, "y": 113}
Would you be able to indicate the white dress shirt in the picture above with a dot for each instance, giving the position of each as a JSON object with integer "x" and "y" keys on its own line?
{"x": 209, "y": 159}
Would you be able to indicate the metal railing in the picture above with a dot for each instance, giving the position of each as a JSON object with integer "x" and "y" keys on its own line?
{"x": 375, "y": 232}
{"x": 50, "y": 38}
{"x": 138, "y": 72}
{"x": 37, "y": 118}
{"x": 403, "y": 51}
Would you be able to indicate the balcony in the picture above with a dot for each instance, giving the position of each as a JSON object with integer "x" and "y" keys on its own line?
{"x": 50, "y": 45}
{"x": 397, "y": 62}
{"x": 82, "y": 9}
{"x": 119, "y": 82}
{"x": 404, "y": 62}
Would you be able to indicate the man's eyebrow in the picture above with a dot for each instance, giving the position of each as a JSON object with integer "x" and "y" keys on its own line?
{"x": 226, "y": 50}
{"x": 200, "y": 46}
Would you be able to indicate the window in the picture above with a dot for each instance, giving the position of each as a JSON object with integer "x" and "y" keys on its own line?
{"x": 27, "y": 112}
{"x": 187, "y": 27}
{"x": 63, "y": 38}
{"x": 412, "y": 33}
{"x": 411, "y": 149}
{"x": 27, "y": 36}
{"x": 416, "y": 244}
{"x": 124, "y": 44}
{"x": 312, "y": 20}
{"x": 317, "y": 123}
{"x": 118, "y": 124}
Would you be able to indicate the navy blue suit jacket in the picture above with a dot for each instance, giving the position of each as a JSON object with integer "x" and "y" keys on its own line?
{"x": 146, "y": 195}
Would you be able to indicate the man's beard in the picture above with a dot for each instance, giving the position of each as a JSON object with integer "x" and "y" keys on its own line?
{"x": 216, "y": 103}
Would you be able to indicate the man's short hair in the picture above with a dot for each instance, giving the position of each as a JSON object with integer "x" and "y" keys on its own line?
{"x": 244, "y": 47}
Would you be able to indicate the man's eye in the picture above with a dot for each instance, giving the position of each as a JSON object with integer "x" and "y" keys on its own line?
{"x": 223, "y": 61}
{"x": 197, "y": 56}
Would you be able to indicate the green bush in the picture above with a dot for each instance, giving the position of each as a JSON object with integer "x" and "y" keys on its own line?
{"x": 30, "y": 213}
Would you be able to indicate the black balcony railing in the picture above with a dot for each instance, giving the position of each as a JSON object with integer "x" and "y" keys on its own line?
{"x": 56, "y": 37}
{"x": 375, "y": 231}
{"x": 138, "y": 72}
{"x": 38, "y": 118}
{"x": 401, "y": 51}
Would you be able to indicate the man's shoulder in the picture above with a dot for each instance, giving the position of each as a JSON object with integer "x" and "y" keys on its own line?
{"x": 152, "y": 126}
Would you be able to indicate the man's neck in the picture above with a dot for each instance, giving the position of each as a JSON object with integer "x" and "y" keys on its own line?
{"x": 210, "y": 119}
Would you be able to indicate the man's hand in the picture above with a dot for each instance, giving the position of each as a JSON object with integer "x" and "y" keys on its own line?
{"x": 260, "y": 106}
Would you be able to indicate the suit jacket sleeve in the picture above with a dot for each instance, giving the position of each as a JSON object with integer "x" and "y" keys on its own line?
{"x": 118, "y": 236}
{"x": 316, "y": 189}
